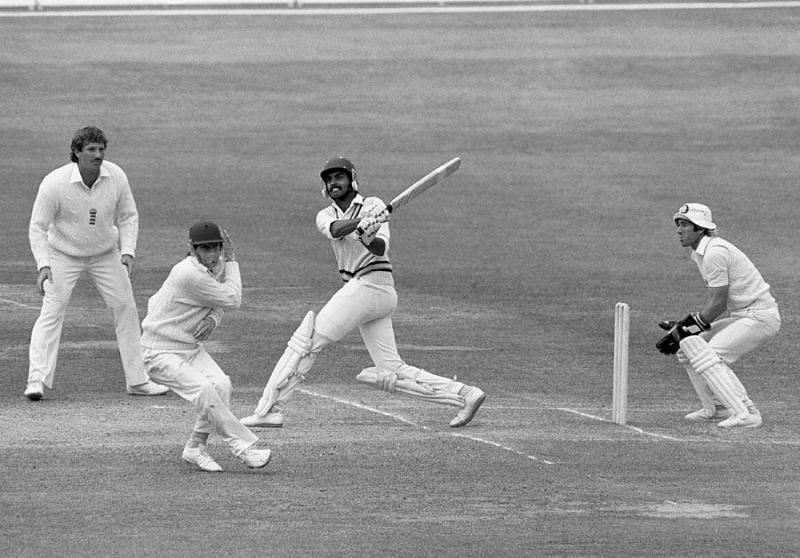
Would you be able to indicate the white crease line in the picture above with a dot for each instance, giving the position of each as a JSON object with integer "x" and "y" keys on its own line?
{"x": 790, "y": 443}
{"x": 15, "y": 303}
{"x": 412, "y": 423}
{"x": 639, "y": 430}
{"x": 365, "y": 407}
{"x": 495, "y": 444}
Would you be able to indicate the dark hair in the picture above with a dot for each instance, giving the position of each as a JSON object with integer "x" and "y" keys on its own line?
{"x": 89, "y": 134}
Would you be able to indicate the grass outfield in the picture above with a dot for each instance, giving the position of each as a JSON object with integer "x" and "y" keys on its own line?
{"x": 580, "y": 134}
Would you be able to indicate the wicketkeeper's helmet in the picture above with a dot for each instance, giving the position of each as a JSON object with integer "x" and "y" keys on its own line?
{"x": 205, "y": 232}
{"x": 339, "y": 163}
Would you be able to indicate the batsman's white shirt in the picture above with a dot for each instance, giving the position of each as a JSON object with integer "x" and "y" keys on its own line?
{"x": 723, "y": 264}
{"x": 80, "y": 221}
{"x": 352, "y": 257}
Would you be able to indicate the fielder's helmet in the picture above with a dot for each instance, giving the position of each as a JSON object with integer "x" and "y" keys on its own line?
{"x": 205, "y": 232}
{"x": 339, "y": 163}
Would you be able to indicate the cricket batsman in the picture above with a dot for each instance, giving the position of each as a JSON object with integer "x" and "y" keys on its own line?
{"x": 740, "y": 315}
{"x": 366, "y": 301}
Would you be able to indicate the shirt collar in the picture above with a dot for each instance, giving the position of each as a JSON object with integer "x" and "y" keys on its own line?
{"x": 702, "y": 245}
{"x": 358, "y": 199}
{"x": 76, "y": 177}
{"x": 217, "y": 273}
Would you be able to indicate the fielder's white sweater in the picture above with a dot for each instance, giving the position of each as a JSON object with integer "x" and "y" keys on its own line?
{"x": 190, "y": 293}
{"x": 81, "y": 221}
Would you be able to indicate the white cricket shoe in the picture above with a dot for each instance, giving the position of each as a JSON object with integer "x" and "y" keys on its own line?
{"x": 748, "y": 420}
{"x": 148, "y": 388}
{"x": 704, "y": 414}
{"x": 270, "y": 420}
{"x": 473, "y": 399}
{"x": 199, "y": 456}
{"x": 34, "y": 391}
{"x": 255, "y": 458}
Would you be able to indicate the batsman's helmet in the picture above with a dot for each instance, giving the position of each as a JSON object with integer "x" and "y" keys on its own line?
{"x": 697, "y": 214}
{"x": 205, "y": 232}
{"x": 339, "y": 163}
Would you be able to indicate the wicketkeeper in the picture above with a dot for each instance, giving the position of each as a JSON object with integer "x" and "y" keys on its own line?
{"x": 708, "y": 342}
{"x": 366, "y": 301}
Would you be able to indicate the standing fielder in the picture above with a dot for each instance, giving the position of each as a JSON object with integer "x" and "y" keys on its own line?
{"x": 84, "y": 219}
{"x": 707, "y": 343}
{"x": 180, "y": 316}
{"x": 366, "y": 301}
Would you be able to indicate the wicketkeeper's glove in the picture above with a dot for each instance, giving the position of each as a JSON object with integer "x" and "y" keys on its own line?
{"x": 670, "y": 343}
{"x": 691, "y": 324}
{"x": 694, "y": 323}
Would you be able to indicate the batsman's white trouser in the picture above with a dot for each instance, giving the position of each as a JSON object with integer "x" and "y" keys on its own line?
{"x": 111, "y": 279}
{"x": 197, "y": 378}
{"x": 367, "y": 303}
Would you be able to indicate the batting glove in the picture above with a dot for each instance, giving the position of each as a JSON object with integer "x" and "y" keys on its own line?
{"x": 373, "y": 207}
{"x": 369, "y": 231}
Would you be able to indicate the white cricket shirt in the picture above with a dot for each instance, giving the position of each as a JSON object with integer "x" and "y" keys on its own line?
{"x": 352, "y": 257}
{"x": 723, "y": 264}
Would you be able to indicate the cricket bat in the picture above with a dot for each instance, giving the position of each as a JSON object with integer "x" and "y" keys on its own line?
{"x": 423, "y": 184}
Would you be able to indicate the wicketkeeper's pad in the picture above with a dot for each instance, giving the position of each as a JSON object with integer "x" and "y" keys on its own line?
{"x": 391, "y": 382}
{"x": 718, "y": 375}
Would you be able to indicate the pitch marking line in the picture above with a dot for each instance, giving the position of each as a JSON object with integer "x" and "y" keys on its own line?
{"x": 633, "y": 428}
{"x": 15, "y": 303}
{"x": 588, "y": 7}
{"x": 404, "y": 420}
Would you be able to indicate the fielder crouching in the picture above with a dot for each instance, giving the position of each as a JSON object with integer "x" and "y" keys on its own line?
{"x": 707, "y": 342}
{"x": 180, "y": 316}
{"x": 366, "y": 301}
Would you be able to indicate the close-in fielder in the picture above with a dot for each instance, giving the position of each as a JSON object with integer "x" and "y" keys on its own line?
{"x": 180, "y": 316}
{"x": 84, "y": 220}
{"x": 734, "y": 286}
{"x": 366, "y": 301}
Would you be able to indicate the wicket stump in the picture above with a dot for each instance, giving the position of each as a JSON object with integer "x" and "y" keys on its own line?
{"x": 622, "y": 323}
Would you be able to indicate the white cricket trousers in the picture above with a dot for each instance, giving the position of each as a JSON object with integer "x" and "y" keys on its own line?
{"x": 742, "y": 331}
{"x": 368, "y": 303}
{"x": 731, "y": 338}
{"x": 111, "y": 280}
{"x": 197, "y": 378}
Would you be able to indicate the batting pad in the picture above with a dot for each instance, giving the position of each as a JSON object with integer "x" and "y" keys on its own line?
{"x": 411, "y": 388}
{"x": 283, "y": 375}
{"x": 719, "y": 377}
